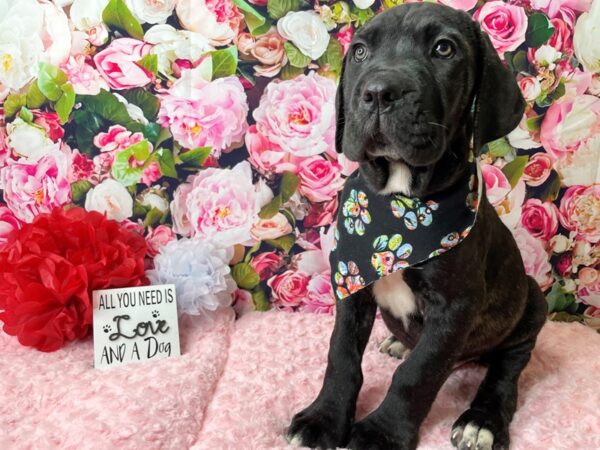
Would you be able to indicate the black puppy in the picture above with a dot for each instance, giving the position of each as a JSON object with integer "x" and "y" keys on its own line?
{"x": 405, "y": 113}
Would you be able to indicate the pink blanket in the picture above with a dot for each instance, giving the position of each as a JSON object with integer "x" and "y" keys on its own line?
{"x": 238, "y": 385}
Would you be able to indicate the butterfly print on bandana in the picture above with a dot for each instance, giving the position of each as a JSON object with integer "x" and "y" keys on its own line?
{"x": 391, "y": 254}
{"x": 356, "y": 212}
{"x": 414, "y": 211}
{"x": 347, "y": 279}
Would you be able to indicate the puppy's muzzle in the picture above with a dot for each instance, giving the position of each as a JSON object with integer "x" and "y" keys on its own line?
{"x": 383, "y": 92}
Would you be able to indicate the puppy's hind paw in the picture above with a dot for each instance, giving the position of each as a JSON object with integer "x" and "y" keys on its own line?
{"x": 394, "y": 347}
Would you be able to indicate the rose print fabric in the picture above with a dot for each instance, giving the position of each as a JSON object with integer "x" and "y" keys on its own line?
{"x": 377, "y": 235}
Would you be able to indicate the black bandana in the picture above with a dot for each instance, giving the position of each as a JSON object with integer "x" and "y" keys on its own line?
{"x": 380, "y": 234}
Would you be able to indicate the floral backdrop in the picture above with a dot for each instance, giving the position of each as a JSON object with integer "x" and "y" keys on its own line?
{"x": 204, "y": 131}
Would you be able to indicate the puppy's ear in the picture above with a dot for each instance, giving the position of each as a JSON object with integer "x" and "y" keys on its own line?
{"x": 499, "y": 105}
{"x": 340, "y": 119}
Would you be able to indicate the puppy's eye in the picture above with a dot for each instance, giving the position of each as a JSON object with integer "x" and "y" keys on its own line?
{"x": 444, "y": 49}
{"x": 359, "y": 53}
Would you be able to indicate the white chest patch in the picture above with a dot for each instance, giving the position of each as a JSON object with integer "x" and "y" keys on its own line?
{"x": 394, "y": 295}
{"x": 399, "y": 180}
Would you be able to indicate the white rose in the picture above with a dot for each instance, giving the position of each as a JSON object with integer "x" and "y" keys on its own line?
{"x": 171, "y": 44}
{"x": 135, "y": 112}
{"x": 111, "y": 198}
{"x": 306, "y": 30}
{"x": 586, "y": 38}
{"x": 28, "y": 141}
{"x": 560, "y": 243}
{"x": 520, "y": 137}
{"x": 194, "y": 15}
{"x": 264, "y": 194}
{"x": 155, "y": 197}
{"x": 86, "y": 14}
{"x": 364, "y": 4}
{"x": 21, "y": 46}
{"x": 56, "y": 34}
{"x": 582, "y": 167}
{"x": 546, "y": 56}
{"x": 509, "y": 210}
{"x": 579, "y": 122}
{"x": 152, "y": 11}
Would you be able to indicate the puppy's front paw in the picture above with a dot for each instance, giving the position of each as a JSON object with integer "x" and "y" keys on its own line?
{"x": 371, "y": 434}
{"x": 394, "y": 347}
{"x": 479, "y": 430}
{"x": 318, "y": 428}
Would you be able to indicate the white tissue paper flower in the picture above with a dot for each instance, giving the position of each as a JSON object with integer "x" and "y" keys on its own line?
{"x": 200, "y": 272}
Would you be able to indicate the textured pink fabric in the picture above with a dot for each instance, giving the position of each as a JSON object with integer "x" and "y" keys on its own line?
{"x": 238, "y": 389}
{"x": 276, "y": 364}
{"x": 58, "y": 400}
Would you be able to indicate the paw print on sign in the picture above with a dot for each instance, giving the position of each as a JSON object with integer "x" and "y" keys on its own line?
{"x": 106, "y": 328}
{"x": 391, "y": 254}
{"x": 356, "y": 212}
{"x": 155, "y": 314}
{"x": 414, "y": 211}
{"x": 348, "y": 279}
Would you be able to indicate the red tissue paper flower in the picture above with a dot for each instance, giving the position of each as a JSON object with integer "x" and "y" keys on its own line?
{"x": 49, "y": 268}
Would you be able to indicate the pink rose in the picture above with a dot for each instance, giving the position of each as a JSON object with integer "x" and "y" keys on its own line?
{"x": 320, "y": 179}
{"x": 530, "y": 87}
{"x": 31, "y": 188}
{"x": 97, "y": 35}
{"x": 505, "y": 24}
{"x": 564, "y": 9}
{"x": 465, "y": 5}
{"x": 568, "y": 123}
{"x": 204, "y": 113}
{"x": 272, "y": 228}
{"x": 151, "y": 173}
{"x": 535, "y": 257}
{"x": 85, "y": 79}
{"x": 540, "y": 218}
{"x": 589, "y": 286}
{"x": 580, "y": 211}
{"x": 117, "y": 63}
{"x": 344, "y": 37}
{"x": 564, "y": 264}
{"x": 298, "y": 115}
{"x": 562, "y": 38}
{"x": 8, "y": 223}
{"x": 222, "y": 205}
{"x": 265, "y": 264}
{"x": 289, "y": 289}
{"x": 82, "y": 167}
{"x": 321, "y": 214}
{"x": 320, "y": 295}
{"x": 117, "y": 138}
{"x": 50, "y": 122}
{"x": 5, "y": 152}
{"x": 266, "y": 156}
{"x": 157, "y": 238}
{"x": 179, "y": 213}
{"x": 537, "y": 169}
{"x": 497, "y": 186}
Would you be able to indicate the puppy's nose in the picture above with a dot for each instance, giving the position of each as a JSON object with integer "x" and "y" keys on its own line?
{"x": 379, "y": 94}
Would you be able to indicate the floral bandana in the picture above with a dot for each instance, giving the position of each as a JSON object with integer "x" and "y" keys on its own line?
{"x": 377, "y": 235}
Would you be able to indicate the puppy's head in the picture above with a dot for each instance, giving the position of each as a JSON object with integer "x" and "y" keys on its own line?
{"x": 405, "y": 100}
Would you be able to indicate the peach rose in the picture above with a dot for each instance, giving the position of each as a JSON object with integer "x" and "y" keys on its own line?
{"x": 272, "y": 228}
{"x": 580, "y": 211}
{"x": 269, "y": 51}
{"x": 537, "y": 169}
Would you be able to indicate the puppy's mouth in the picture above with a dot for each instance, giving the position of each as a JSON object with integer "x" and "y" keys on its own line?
{"x": 380, "y": 149}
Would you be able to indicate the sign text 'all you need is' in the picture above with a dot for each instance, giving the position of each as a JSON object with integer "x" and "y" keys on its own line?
{"x": 135, "y": 324}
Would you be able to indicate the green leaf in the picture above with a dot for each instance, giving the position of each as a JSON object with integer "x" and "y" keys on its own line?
{"x": 255, "y": 21}
{"x": 153, "y": 217}
{"x": 284, "y": 243}
{"x": 122, "y": 170}
{"x": 565, "y": 316}
{"x": 26, "y": 114}
{"x": 50, "y": 80}
{"x": 13, "y": 104}
{"x": 295, "y": 56}
{"x": 539, "y": 30}
{"x": 558, "y": 299}
{"x": 79, "y": 189}
{"x": 245, "y": 276}
{"x": 517, "y": 61}
{"x": 514, "y": 169}
{"x": 251, "y": 252}
{"x": 271, "y": 208}
{"x": 224, "y": 62}
{"x": 166, "y": 162}
{"x": 88, "y": 124}
{"x": 559, "y": 91}
{"x": 163, "y": 135}
{"x": 118, "y": 16}
{"x": 107, "y": 106}
{"x": 152, "y": 131}
{"x": 289, "y": 184}
{"x": 35, "y": 97}
{"x": 553, "y": 188}
{"x": 333, "y": 56}
{"x": 534, "y": 123}
{"x": 195, "y": 157}
{"x": 148, "y": 103}
{"x": 499, "y": 147}
{"x": 65, "y": 103}
{"x": 289, "y": 72}
{"x": 279, "y": 8}
{"x": 260, "y": 301}
{"x": 150, "y": 63}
